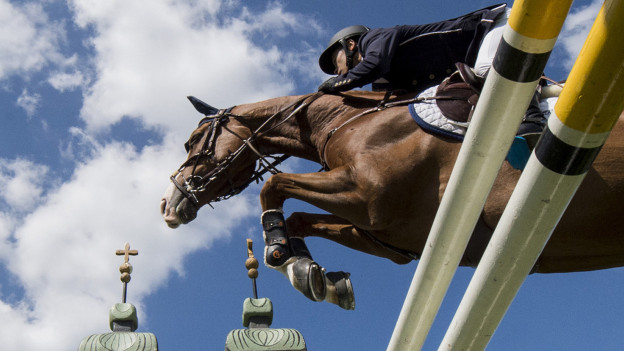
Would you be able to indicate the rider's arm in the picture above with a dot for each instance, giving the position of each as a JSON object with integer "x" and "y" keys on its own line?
{"x": 377, "y": 48}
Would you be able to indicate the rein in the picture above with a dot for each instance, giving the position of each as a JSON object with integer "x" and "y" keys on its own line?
{"x": 193, "y": 185}
{"x": 383, "y": 104}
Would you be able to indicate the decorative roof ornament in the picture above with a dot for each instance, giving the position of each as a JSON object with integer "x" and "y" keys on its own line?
{"x": 126, "y": 268}
{"x": 257, "y": 317}
{"x": 123, "y": 320}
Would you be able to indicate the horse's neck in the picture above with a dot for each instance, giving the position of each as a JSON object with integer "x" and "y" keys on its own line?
{"x": 304, "y": 133}
{"x": 278, "y": 131}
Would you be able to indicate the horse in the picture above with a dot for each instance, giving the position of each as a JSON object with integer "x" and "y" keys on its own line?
{"x": 382, "y": 181}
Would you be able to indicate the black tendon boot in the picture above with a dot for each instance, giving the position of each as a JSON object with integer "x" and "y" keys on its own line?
{"x": 276, "y": 251}
{"x": 308, "y": 276}
{"x": 533, "y": 122}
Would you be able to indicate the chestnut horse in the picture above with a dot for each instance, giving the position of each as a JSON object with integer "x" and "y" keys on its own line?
{"x": 383, "y": 181}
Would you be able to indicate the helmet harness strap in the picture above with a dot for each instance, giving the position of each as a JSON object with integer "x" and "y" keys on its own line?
{"x": 349, "y": 54}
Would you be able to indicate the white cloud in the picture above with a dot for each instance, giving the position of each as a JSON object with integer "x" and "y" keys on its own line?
{"x": 112, "y": 199}
{"x": 21, "y": 183}
{"x": 275, "y": 22}
{"x": 7, "y": 226}
{"x": 63, "y": 81}
{"x": 28, "y": 39}
{"x": 57, "y": 239}
{"x": 575, "y": 31}
{"x": 28, "y": 102}
{"x": 150, "y": 55}
{"x": 81, "y": 146}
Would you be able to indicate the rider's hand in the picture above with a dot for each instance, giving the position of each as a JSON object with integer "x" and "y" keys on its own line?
{"x": 330, "y": 85}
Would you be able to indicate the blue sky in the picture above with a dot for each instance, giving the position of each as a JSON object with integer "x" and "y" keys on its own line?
{"x": 94, "y": 115}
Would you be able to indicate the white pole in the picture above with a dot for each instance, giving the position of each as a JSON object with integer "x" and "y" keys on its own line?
{"x": 508, "y": 89}
{"x": 560, "y": 162}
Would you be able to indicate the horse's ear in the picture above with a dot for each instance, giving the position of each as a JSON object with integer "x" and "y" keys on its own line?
{"x": 202, "y": 107}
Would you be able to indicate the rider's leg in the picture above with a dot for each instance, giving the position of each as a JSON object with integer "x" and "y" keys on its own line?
{"x": 489, "y": 45}
{"x": 534, "y": 121}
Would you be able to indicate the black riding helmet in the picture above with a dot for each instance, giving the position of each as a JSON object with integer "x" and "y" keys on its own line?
{"x": 340, "y": 38}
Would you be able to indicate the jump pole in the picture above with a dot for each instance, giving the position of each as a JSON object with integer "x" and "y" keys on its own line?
{"x": 587, "y": 109}
{"x": 511, "y": 83}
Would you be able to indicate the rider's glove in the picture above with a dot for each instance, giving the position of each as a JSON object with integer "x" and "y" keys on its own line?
{"x": 331, "y": 85}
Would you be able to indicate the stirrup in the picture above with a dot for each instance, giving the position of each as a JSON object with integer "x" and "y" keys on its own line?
{"x": 470, "y": 77}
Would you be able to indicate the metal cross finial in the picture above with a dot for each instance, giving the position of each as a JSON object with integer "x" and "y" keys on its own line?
{"x": 126, "y": 268}
{"x": 126, "y": 251}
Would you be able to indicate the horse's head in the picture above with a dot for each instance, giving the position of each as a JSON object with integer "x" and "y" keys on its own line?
{"x": 222, "y": 157}
{"x": 220, "y": 164}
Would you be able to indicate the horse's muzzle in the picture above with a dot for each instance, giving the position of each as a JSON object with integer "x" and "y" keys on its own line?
{"x": 176, "y": 208}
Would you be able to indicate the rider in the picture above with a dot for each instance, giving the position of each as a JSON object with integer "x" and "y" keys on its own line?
{"x": 414, "y": 57}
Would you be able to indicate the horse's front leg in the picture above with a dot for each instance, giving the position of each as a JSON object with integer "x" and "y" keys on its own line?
{"x": 334, "y": 191}
{"x": 290, "y": 255}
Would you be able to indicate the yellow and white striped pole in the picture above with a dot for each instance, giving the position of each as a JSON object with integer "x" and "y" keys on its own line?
{"x": 520, "y": 60}
{"x": 587, "y": 109}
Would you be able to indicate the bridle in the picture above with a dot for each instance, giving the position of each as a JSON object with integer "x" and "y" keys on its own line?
{"x": 195, "y": 184}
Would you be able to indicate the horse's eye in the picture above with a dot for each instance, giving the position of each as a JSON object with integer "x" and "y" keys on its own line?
{"x": 194, "y": 139}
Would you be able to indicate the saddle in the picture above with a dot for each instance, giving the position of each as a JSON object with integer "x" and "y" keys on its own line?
{"x": 457, "y": 95}
{"x": 447, "y": 109}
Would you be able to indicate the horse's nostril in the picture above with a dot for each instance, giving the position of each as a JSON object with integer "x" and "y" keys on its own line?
{"x": 163, "y": 206}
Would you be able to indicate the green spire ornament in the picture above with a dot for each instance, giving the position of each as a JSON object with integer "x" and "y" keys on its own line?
{"x": 123, "y": 320}
{"x": 257, "y": 317}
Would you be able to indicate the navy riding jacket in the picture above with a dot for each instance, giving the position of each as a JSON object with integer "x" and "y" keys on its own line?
{"x": 415, "y": 57}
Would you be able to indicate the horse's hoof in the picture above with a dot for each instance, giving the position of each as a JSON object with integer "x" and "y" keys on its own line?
{"x": 307, "y": 277}
{"x": 344, "y": 289}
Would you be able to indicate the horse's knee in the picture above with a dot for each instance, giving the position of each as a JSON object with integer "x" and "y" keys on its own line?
{"x": 270, "y": 196}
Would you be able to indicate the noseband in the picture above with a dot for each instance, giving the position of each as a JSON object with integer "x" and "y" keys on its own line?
{"x": 195, "y": 184}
